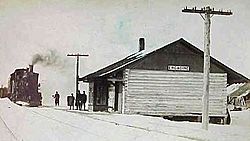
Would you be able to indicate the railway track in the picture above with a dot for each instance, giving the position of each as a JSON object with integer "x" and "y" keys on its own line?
{"x": 9, "y": 130}
{"x": 43, "y": 114}
{"x": 70, "y": 125}
{"x": 136, "y": 127}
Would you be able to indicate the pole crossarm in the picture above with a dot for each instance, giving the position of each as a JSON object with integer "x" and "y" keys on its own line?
{"x": 77, "y": 55}
{"x": 208, "y": 11}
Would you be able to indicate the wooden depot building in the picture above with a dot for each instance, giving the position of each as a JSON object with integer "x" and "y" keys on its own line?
{"x": 165, "y": 82}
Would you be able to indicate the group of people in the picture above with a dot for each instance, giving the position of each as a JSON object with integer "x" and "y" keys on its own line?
{"x": 79, "y": 101}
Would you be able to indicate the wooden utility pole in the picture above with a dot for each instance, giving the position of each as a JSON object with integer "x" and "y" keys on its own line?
{"x": 77, "y": 67}
{"x": 208, "y": 12}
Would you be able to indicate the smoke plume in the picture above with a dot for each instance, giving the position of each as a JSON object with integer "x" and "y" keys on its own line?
{"x": 51, "y": 58}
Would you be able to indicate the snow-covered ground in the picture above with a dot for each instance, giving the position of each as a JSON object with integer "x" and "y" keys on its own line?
{"x": 58, "y": 124}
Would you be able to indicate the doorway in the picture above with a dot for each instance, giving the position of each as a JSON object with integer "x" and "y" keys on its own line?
{"x": 118, "y": 96}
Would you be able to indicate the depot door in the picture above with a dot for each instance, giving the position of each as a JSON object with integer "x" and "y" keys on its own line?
{"x": 101, "y": 96}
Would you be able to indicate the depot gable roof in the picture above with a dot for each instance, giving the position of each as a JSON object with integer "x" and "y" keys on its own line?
{"x": 233, "y": 76}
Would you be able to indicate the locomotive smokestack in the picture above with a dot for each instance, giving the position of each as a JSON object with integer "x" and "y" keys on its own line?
{"x": 31, "y": 68}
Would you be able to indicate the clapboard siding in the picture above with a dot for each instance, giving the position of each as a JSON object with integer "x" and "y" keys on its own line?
{"x": 165, "y": 92}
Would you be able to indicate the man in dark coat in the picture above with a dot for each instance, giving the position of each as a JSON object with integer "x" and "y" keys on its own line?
{"x": 77, "y": 100}
{"x": 70, "y": 100}
{"x": 84, "y": 99}
{"x": 80, "y": 101}
{"x": 57, "y": 97}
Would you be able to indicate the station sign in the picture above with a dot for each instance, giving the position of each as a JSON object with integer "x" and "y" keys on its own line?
{"x": 178, "y": 68}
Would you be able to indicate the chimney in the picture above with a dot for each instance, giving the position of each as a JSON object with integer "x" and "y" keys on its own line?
{"x": 31, "y": 68}
{"x": 141, "y": 44}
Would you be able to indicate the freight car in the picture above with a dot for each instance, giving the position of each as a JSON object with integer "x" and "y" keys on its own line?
{"x": 23, "y": 86}
{"x": 3, "y": 92}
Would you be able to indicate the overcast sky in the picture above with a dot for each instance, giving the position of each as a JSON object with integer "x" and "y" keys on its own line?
{"x": 108, "y": 30}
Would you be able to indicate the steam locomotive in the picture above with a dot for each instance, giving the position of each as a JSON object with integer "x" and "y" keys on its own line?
{"x": 23, "y": 86}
